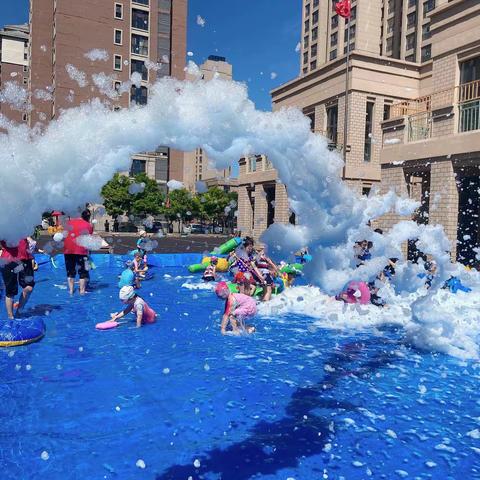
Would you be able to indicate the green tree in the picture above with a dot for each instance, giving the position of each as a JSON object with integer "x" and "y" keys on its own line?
{"x": 179, "y": 206}
{"x": 148, "y": 201}
{"x": 117, "y": 200}
{"x": 216, "y": 205}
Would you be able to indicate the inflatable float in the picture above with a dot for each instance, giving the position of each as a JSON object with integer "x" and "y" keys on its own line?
{"x": 14, "y": 333}
{"x": 222, "y": 264}
{"x": 278, "y": 287}
{"x": 227, "y": 247}
{"x": 355, "y": 292}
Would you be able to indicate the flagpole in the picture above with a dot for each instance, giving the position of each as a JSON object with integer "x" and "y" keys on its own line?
{"x": 347, "y": 81}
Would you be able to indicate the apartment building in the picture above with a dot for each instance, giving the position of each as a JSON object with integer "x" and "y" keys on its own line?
{"x": 399, "y": 55}
{"x": 431, "y": 144}
{"x": 197, "y": 167}
{"x": 81, "y": 50}
{"x": 14, "y": 67}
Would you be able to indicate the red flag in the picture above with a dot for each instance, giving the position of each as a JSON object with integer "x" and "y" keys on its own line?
{"x": 343, "y": 8}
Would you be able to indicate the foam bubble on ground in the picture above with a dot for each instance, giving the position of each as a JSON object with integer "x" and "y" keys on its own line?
{"x": 201, "y": 21}
{"x": 197, "y": 286}
{"x": 90, "y": 242}
{"x": 140, "y": 463}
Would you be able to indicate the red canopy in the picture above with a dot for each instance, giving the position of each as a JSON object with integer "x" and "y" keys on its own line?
{"x": 56, "y": 213}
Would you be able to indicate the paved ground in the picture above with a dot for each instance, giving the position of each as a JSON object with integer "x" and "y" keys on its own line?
{"x": 124, "y": 242}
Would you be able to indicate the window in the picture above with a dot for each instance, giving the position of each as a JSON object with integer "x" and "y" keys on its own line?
{"x": 118, "y": 37}
{"x": 139, "y": 44}
{"x": 412, "y": 3}
{"x": 313, "y": 51}
{"x": 25, "y": 56}
{"x": 386, "y": 111}
{"x": 315, "y": 18}
{"x": 117, "y": 62}
{"x": 305, "y": 57}
{"x": 411, "y": 19}
{"x": 307, "y": 10}
{"x": 470, "y": 70}
{"x": 25, "y": 68}
{"x": 332, "y": 123}
{"x": 390, "y": 25}
{"x": 367, "y": 152}
{"x": 315, "y": 3}
{"x": 391, "y": 6}
{"x": 141, "y": 2}
{"x": 313, "y": 65}
{"x": 119, "y": 11}
{"x": 139, "y": 67}
{"x": 139, "y": 95}
{"x": 366, "y": 191}
{"x": 305, "y": 41}
{"x": 140, "y": 19}
{"x": 252, "y": 164}
{"x": 333, "y": 39}
{"x": 138, "y": 166}
{"x": 352, "y": 47}
{"x": 311, "y": 116}
{"x": 353, "y": 13}
{"x": 426, "y": 53}
{"x": 426, "y": 34}
{"x": 333, "y": 54}
{"x": 307, "y": 25}
{"x": 165, "y": 5}
{"x": 305, "y": 70}
{"x": 411, "y": 41}
{"x": 410, "y": 58}
{"x": 352, "y": 33}
{"x": 25, "y": 81}
{"x": 389, "y": 44}
{"x": 334, "y": 22}
{"x": 117, "y": 86}
{"x": 428, "y": 7}
{"x": 314, "y": 34}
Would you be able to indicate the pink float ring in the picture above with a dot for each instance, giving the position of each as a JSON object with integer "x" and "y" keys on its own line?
{"x": 356, "y": 292}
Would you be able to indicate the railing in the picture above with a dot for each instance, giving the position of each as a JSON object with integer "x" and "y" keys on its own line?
{"x": 419, "y": 126}
{"x": 469, "y": 116}
{"x": 468, "y": 91}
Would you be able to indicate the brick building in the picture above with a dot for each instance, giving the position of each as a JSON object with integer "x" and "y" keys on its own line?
{"x": 431, "y": 144}
{"x": 14, "y": 67}
{"x": 401, "y": 52}
{"x": 81, "y": 50}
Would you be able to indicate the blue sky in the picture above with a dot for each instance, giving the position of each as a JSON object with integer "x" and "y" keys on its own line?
{"x": 258, "y": 37}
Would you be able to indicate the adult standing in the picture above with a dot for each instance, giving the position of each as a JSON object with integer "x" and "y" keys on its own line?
{"x": 115, "y": 224}
{"x": 107, "y": 225}
{"x": 76, "y": 256}
{"x": 17, "y": 270}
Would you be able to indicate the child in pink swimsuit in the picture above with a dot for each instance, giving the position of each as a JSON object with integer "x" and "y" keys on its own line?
{"x": 135, "y": 304}
{"x": 238, "y": 307}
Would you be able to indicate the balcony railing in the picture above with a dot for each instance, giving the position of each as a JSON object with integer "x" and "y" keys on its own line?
{"x": 419, "y": 126}
{"x": 445, "y": 98}
{"x": 469, "y": 116}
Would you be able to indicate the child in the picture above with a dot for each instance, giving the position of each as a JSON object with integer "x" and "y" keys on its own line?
{"x": 266, "y": 267}
{"x": 127, "y": 278}
{"x": 139, "y": 266}
{"x": 142, "y": 243}
{"x": 144, "y": 313}
{"x": 238, "y": 307}
{"x": 245, "y": 283}
{"x": 209, "y": 275}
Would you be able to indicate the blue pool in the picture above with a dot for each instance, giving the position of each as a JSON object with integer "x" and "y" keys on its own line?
{"x": 177, "y": 401}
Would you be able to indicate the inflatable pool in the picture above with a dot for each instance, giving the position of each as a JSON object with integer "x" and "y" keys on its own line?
{"x": 14, "y": 333}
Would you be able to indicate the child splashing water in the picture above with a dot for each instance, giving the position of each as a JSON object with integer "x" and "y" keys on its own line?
{"x": 135, "y": 304}
{"x": 238, "y": 307}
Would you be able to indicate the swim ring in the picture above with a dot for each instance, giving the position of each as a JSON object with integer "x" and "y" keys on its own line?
{"x": 14, "y": 333}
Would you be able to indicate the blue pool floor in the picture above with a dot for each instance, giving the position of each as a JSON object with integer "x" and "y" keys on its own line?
{"x": 182, "y": 401}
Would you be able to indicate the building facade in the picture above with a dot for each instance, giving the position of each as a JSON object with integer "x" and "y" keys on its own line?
{"x": 398, "y": 54}
{"x": 431, "y": 144}
{"x": 81, "y": 50}
{"x": 14, "y": 68}
{"x": 197, "y": 167}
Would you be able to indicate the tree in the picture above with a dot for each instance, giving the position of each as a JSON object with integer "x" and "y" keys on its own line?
{"x": 180, "y": 205}
{"x": 217, "y": 205}
{"x": 149, "y": 200}
{"x": 116, "y": 197}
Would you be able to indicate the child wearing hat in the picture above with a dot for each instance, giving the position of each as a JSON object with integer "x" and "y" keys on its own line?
{"x": 127, "y": 277}
{"x": 135, "y": 304}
